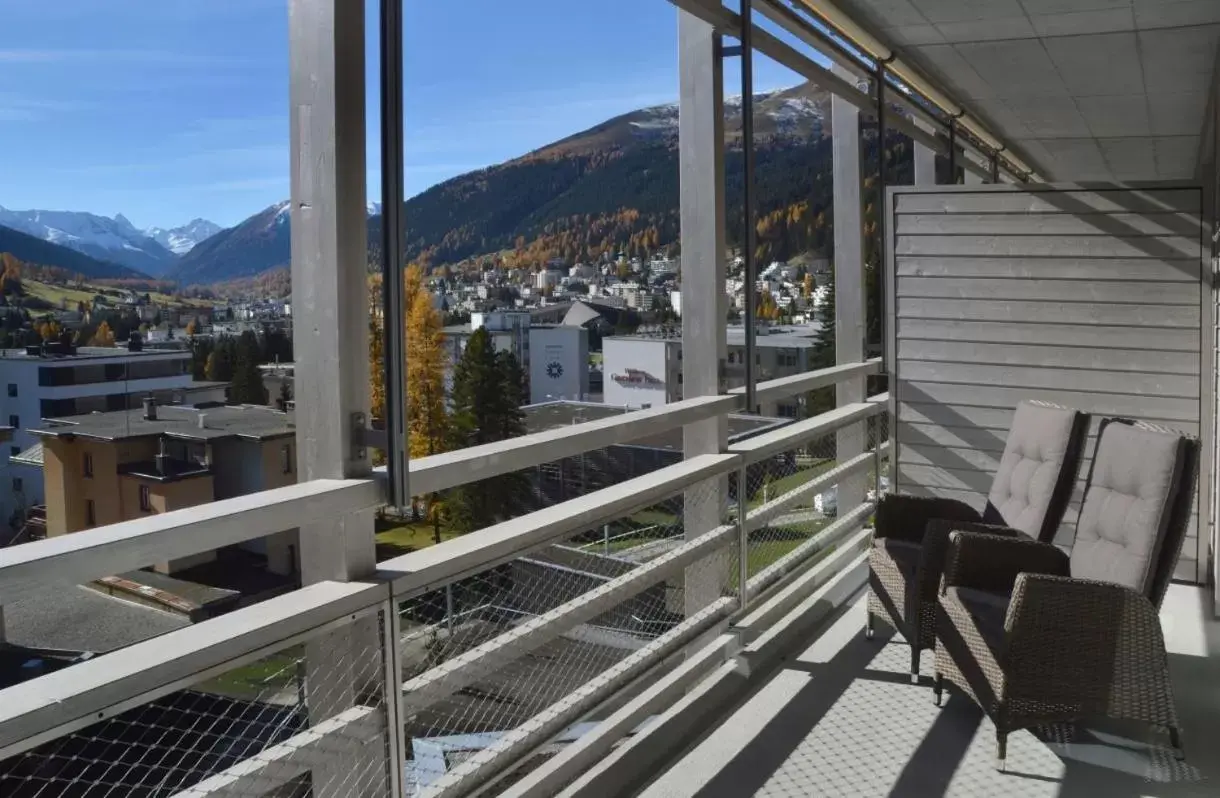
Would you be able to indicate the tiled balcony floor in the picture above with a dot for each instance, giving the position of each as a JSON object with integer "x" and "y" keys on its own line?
{"x": 843, "y": 719}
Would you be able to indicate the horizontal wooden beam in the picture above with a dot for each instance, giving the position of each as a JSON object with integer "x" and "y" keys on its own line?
{"x": 454, "y": 674}
{"x": 804, "y": 382}
{"x": 60, "y": 702}
{"x": 843, "y": 526}
{"x": 793, "y": 436}
{"x": 336, "y": 738}
{"x": 443, "y": 471}
{"x": 513, "y": 744}
{"x": 436, "y": 566}
{"x": 129, "y": 545}
{"x": 761, "y": 516}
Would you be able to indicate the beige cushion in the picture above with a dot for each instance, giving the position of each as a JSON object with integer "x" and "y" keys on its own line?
{"x": 1126, "y": 506}
{"x": 1032, "y": 466}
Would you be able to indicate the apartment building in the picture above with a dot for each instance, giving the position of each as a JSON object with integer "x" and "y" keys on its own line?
{"x": 56, "y": 380}
{"x": 645, "y": 370}
{"x": 104, "y": 468}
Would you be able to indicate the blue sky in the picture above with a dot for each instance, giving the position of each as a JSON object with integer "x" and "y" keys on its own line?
{"x": 165, "y": 110}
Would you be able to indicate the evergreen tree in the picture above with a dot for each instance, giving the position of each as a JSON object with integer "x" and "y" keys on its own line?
{"x": 485, "y": 408}
{"x": 247, "y": 386}
{"x": 222, "y": 360}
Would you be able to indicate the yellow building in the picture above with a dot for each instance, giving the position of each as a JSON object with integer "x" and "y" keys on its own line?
{"x": 104, "y": 468}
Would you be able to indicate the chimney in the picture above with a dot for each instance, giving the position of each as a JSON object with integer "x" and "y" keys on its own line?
{"x": 150, "y": 408}
{"x": 203, "y": 418}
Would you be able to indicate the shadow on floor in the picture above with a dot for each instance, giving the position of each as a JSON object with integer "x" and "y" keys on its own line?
{"x": 859, "y": 727}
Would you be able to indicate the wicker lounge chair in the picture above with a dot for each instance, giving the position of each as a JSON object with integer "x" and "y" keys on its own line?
{"x": 1036, "y": 636}
{"x": 1029, "y": 494}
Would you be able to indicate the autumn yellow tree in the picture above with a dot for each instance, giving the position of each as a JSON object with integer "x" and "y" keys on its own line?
{"x": 49, "y": 331}
{"x": 103, "y": 337}
{"x": 807, "y": 286}
{"x": 190, "y": 327}
{"x": 427, "y": 421}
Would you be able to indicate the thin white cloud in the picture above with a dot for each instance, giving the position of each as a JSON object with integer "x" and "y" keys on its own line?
{"x": 136, "y": 57}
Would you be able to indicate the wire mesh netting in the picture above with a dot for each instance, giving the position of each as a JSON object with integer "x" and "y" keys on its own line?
{"x": 306, "y": 720}
{"x": 488, "y": 654}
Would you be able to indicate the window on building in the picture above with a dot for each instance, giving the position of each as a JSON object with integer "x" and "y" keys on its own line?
{"x": 90, "y": 513}
{"x": 14, "y": 422}
{"x": 12, "y": 389}
{"x": 18, "y": 484}
{"x": 145, "y": 499}
{"x": 286, "y": 463}
{"x": 87, "y": 466}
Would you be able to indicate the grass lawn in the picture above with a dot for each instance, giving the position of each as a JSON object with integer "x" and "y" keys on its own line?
{"x": 403, "y": 539}
{"x": 792, "y": 481}
{"x": 272, "y": 673}
{"x": 55, "y": 293}
{"x": 654, "y": 517}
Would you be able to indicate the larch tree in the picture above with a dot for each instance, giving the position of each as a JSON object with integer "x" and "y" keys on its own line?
{"x": 104, "y": 335}
{"x": 427, "y": 421}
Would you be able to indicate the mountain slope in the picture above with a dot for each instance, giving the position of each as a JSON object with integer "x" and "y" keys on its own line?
{"x": 181, "y": 240}
{"x": 613, "y": 187}
{"x": 32, "y": 249}
{"x": 258, "y": 244}
{"x": 102, "y": 238}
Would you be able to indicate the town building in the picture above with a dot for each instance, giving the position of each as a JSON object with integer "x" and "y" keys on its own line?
{"x": 559, "y": 363}
{"x": 104, "y": 468}
{"x": 645, "y": 370}
{"x": 55, "y": 380}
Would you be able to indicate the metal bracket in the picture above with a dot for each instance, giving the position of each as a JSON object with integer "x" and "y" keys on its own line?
{"x": 365, "y": 438}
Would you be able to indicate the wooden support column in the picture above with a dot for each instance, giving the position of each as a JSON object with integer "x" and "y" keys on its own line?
{"x": 849, "y": 281}
{"x": 330, "y": 336}
{"x": 704, "y": 304}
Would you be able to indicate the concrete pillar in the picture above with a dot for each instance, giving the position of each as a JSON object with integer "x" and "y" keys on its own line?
{"x": 849, "y": 280}
{"x": 330, "y": 329}
{"x": 704, "y": 302}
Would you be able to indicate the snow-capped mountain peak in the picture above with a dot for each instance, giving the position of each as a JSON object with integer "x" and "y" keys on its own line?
{"x": 101, "y": 237}
{"x": 181, "y": 240}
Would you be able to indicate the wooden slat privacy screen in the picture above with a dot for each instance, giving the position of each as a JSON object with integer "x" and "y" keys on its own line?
{"x": 1093, "y": 297}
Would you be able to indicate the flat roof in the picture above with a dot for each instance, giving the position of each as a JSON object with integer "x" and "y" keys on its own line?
{"x": 564, "y": 413}
{"x": 252, "y": 422}
{"x": 76, "y": 618}
{"x": 91, "y": 353}
{"x": 788, "y": 336}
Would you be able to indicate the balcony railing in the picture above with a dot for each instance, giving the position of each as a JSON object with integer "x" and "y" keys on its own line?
{"x": 515, "y": 656}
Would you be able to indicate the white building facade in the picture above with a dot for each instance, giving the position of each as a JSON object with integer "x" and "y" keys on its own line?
{"x": 38, "y": 386}
{"x": 559, "y": 363}
{"x": 641, "y": 371}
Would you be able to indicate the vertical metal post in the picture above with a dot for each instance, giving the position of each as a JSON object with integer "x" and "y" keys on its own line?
{"x": 392, "y": 678}
{"x": 995, "y": 167}
{"x": 743, "y": 542}
{"x": 393, "y": 251}
{"x": 747, "y": 195}
{"x": 882, "y": 182}
{"x": 953, "y": 150}
{"x": 877, "y": 456}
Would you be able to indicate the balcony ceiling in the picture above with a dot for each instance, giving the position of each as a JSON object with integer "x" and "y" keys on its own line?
{"x": 1084, "y": 89}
